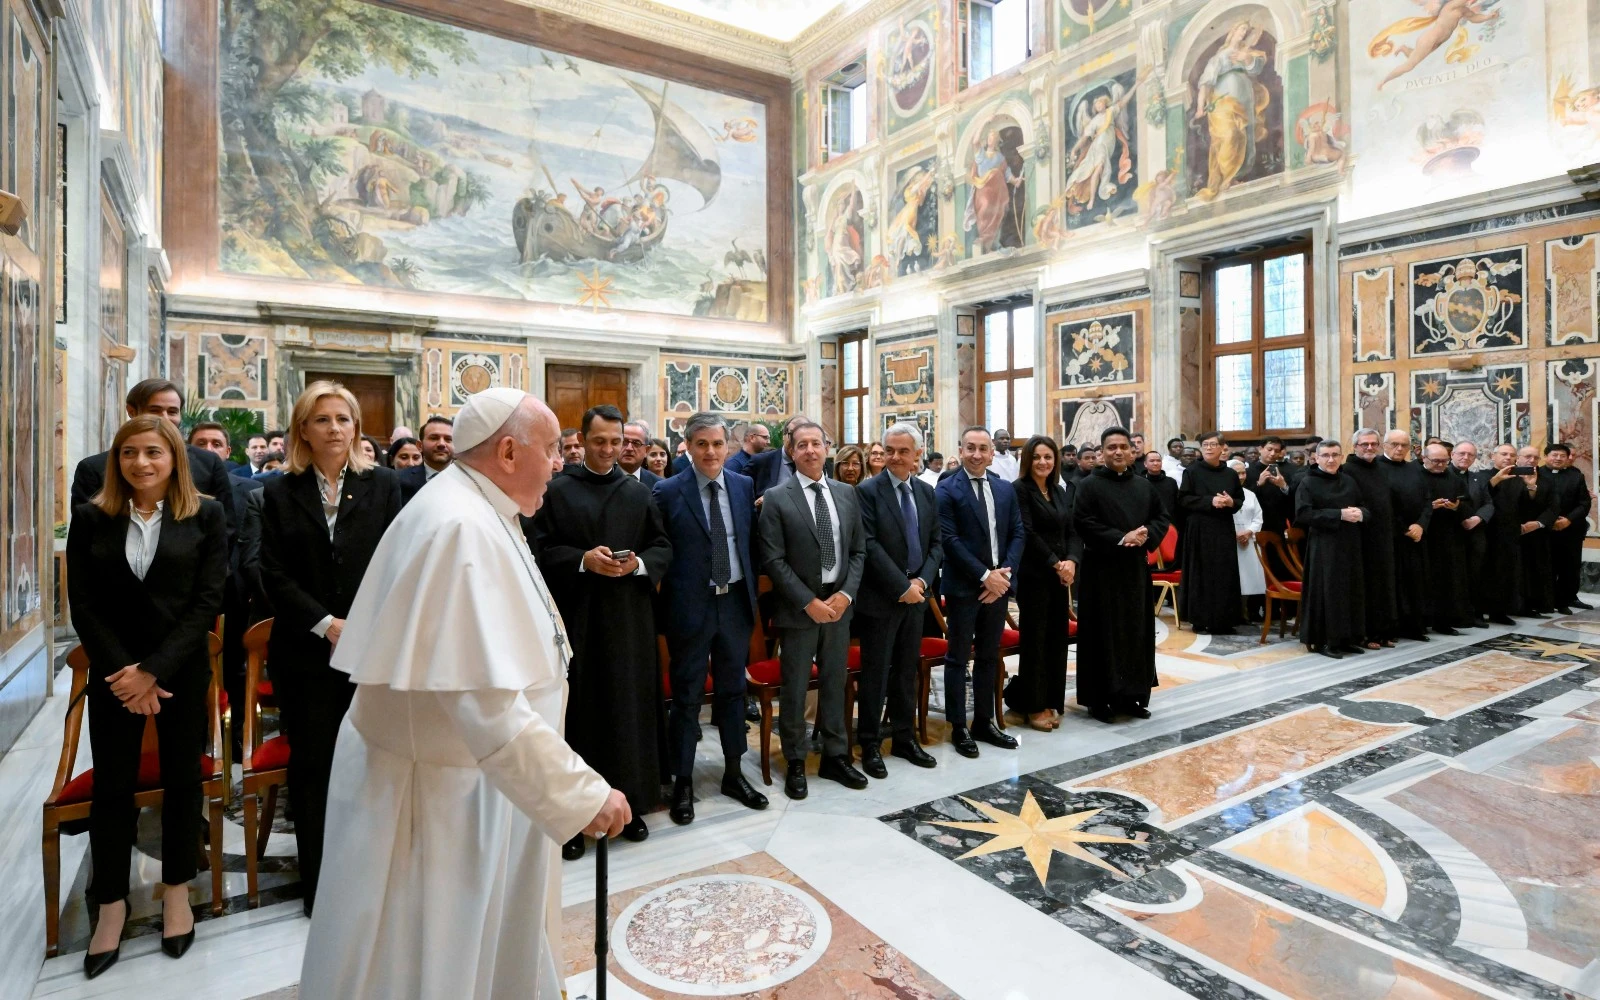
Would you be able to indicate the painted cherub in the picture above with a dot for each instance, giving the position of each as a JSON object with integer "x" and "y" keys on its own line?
{"x": 1444, "y": 19}
{"x": 1576, "y": 108}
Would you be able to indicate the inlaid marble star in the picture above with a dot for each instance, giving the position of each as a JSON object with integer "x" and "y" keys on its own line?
{"x": 596, "y": 291}
{"x": 1431, "y": 388}
{"x": 1546, "y": 649}
{"x": 1039, "y": 838}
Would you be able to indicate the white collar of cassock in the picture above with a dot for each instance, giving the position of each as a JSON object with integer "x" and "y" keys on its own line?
{"x": 502, "y": 504}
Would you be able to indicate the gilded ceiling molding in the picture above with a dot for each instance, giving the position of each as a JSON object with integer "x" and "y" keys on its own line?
{"x": 677, "y": 29}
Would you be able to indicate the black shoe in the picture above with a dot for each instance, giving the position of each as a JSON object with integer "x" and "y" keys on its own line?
{"x": 636, "y": 830}
{"x": 1534, "y": 614}
{"x": 1446, "y": 630}
{"x": 794, "y": 785}
{"x": 962, "y": 740}
{"x": 752, "y": 711}
{"x": 1136, "y": 711}
{"x": 1104, "y": 714}
{"x": 682, "y": 810}
{"x": 176, "y": 947}
{"x": 699, "y": 733}
{"x": 1329, "y": 652}
{"x": 1350, "y": 650}
{"x": 93, "y": 965}
{"x": 841, "y": 770}
{"x": 573, "y": 849}
{"x": 1581, "y": 606}
{"x": 1563, "y": 611}
{"x": 990, "y": 734}
{"x": 735, "y": 787}
{"x": 1501, "y": 620}
{"x": 912, "y": 752}
{"x": 872, "y": 761}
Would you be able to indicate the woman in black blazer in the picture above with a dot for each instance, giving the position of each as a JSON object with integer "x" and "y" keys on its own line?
{"x": 147, "y": 561}
{"x": 320, "y": 523}
{"x": 1050, "y": 556}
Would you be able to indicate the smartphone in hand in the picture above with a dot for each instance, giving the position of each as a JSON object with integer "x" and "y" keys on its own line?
{"x": 622, "y": 555}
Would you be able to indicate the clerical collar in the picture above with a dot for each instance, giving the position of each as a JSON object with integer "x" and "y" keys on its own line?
{"x": 1317, "y": 471}
{"x": 502, "y": 504}
{"x": 603, "y": 475}
{"x": 1106, "y": 472}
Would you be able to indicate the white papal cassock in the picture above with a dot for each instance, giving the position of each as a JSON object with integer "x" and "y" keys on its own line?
{"x": 451, "y": 782}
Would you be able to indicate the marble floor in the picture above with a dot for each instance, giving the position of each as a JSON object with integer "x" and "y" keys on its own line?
{"x": 1415, "y": 822}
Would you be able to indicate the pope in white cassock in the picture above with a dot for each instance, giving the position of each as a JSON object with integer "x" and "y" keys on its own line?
{"x": 452, "y": 785}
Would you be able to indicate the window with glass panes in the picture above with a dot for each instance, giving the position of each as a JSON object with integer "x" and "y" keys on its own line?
{"x": 1005, "y": 380}
{"x": 1257, "y": 322}
{"x": 854, "y": 389}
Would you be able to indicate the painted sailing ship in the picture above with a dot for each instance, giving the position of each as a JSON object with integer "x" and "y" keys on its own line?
{"x": 683, "y": 151}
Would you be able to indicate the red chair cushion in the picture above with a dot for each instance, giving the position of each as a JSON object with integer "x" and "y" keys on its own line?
{"x": 1293, "y": 585}
{"x": 666, "y": 683}
{"x": 1010, "y": 638}
{"x": 272, "y": 755}
{"x": 934, "y": 646}
{"x": 263, "y": 689}
{"x": 222, "y": 702}
{"x": 852, "y": 661}
{"x": 1175, "y": 577}
{"x": 81, "y": 788}
{"x": 1072, "y": 627}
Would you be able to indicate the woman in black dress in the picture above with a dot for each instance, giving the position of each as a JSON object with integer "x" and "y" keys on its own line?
{"x": 147, "y": 561}
{"x": 1050, "y": 556}
{"x": 320, "y": 523}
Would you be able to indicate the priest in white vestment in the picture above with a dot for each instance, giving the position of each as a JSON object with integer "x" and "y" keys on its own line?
{"x": 452, "y": 785}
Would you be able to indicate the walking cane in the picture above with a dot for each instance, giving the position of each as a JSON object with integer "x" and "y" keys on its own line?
{"x": 602, "y": 908}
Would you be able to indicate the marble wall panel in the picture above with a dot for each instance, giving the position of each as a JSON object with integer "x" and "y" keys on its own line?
{"x": 1372, "y": 324}
{"x": 1571, "y": 289}
{"x": 1083, "y": 420}
{"x": 924, "y": 418}
{"x": 772, "y": 390}
{"x": 1486, "y": 405}
{"x": 1470, "y": 303}
{"x": 1570, "y": 391}
{"x": 234, "y": 365}
{"x": 906, "y": 374}
{"x": 680, "y": 383}
{"x": 728, "y": 389}
{"x": 1374, "y": 401}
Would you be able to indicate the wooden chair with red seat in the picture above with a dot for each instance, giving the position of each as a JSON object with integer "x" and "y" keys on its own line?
{"x": 1166, "y": 581}
{"x": 266, "y": 762}
{"x": 69, "y": 805}
{"x": 933, "y": 654}
{"x": 764, "y": 679}
{"x": 1294, "y": 537}
{"x": 1287, "y": 590}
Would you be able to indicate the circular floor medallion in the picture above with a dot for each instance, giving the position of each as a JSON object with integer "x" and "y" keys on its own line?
{"x": 721, "y": 935}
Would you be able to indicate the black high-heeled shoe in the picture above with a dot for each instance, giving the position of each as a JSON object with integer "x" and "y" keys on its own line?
{"x": 178, "y": 945}
{"x": 93, "y": 964}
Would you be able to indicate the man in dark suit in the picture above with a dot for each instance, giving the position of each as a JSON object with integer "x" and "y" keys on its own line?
{"x": 255, "y": 456}
{"x": 900, "y": 518}
{"x": 1571, "y": 525}
{"x": 981, "y": 526}
{"x": 775, "y": 465}
{"x": 161, "y": 398}
{"x": 814, "y": 549}
{"x": 756, "y": 440}
{"x": 438, "y": 451}
{"x": 635, "y": 443}
{"x": 708, "y": 607}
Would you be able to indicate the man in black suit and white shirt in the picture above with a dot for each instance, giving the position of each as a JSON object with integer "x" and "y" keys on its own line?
{"x": 814, "y": 550}
{"x": 635, "y": 442}
{"x": 438, "y": 451}
{"x": 900, "y": 517}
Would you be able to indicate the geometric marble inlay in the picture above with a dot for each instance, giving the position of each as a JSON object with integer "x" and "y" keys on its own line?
{"x": 1206, "y": 776}
{"x": 1320, "y": 848}
{"x": 1458, "y": 687}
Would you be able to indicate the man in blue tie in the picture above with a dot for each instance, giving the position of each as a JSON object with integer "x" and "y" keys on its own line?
{"x": 708, "y": 600}
{"x": 980, "y": 524}
{"x": 901, "y": 520}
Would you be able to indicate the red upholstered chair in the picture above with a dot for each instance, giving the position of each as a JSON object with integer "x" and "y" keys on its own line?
{"x": 933, "y": 653}
{"x": 764, "y": 679}
{"x": 1287, "y": 590}
{"x": 68, "y": 807}
{"x": 1166, "y": 581}
{"x": 266, "y": 762}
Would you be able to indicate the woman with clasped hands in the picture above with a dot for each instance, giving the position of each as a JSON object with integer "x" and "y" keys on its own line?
{"x": 147, "y": 559}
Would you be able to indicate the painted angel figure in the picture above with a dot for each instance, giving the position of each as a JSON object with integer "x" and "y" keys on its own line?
{"x": 904, "y": 240}
{"x": 1100, "y": 159}
{"x": 1442, "y": 20}
{"x": 1575, "y": 108}
{"x": 1233, "y": 104}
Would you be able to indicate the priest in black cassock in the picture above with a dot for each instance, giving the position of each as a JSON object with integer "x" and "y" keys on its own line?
{"x": 1269, "y": 476}
{"x": 589, "y": 516}
{"x": 1570, "y": 494}
{"x": 1166, "y": 487}
{"x": 1477, "y": 512}
{"x": 1412, "y": 504}
{"x": 1449, "y": 601}
{"x": 1328, "y": 508}
{"x": 1536, "y": 511}
{"x": 1377, "y": 538}
{"x": 1119, "y": 519}
{"x": 1497, "y": 576}
{"x": 1208, "y": 496}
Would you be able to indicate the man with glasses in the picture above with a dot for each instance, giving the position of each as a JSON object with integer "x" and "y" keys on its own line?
{"x": 1328, "y": 507}
{"x": 1571, "y": 495}
{"x": 756, "y": 440}
{"x": 1449, "y": 604}
{"x": 635, "y": 443}
{"x": 1413, "y": 512}
{"x": 1209, "y": 495}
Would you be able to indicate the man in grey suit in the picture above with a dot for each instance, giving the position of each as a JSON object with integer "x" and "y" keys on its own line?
{"x": 813, "y": 547}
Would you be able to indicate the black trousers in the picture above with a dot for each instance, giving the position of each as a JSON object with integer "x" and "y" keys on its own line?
{"x": 891, "y": 648}
{"x": 974, "y": 632}
{"x": 312, "y": 700}
{"x": 1043, "y": 611}
{"x": 1566, "y": 562}
{"x": 722, "y": 645}
{"x": 115, "y": 735}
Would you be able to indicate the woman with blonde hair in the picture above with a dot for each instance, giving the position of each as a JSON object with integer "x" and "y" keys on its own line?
{"x": 877, "y": 458}
{"x": 320, "y": 523}
{"x": 850, "y": 465}
{"x": 147, "y": 561}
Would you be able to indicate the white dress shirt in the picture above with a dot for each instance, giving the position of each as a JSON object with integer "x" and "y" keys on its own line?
{"x": 428, "y": 471}
{"x": 143, "y": 535}
{"x": 330, "y": 511}
{"x": 1006, "y": 466}
{"x": 1173, "y": 468}
{"x": 812, "y": 499}
{"x": 929, "y": 476}
{"x": 980, "y": 485}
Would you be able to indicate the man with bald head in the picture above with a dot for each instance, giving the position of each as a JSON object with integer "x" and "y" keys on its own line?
{"x": 459, "y": 657}
{"x": 1537, "y": 513}
{"x": 1377, "y": 537}
{"x": 1497, "y": 574}
{"x": 1449, "y": 603}
{"x": 1412, "y": 504}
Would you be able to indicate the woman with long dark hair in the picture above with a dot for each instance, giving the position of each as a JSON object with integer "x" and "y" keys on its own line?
{"x": 147, "y": 562}
{"x": 403, "y": 453}
{"x": 320, "y": 523}
{"x": 1050, "y": 556}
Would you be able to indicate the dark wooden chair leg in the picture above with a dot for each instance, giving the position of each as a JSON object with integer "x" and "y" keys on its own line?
{"x": 924, "y": 692}
{"x": 51, "y": 851}
{"x": 999, "y": 693}
{"x": 850, "y": 687}
{"x": 267, "y": 815}
{"x": 1266, "y": 624}
{"x": 766, "y": 735}
{"x": 216, "y": 856}
{"x": 251, "y": 855}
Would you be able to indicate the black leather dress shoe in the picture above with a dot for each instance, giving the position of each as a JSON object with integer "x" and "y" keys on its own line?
{"x": 735, "y": 787}
{"x": 1447, "y": 630}
{"x": 1583, "y": 606}
{"x": 911, "y": 751}
{"x": 990, "y": 734}
{"x": 962, "y": 740}
{"x": 752, "y": 711}
{"x": 1103, "y": 713}
{"x": 1136, "y": 711}
{"x": 93, "y": 965}
{"x": 1350, "y": 650}
{"x": 178, "y": 945}
{"x": 573, "y": 849}
{"x": 872, "y": 762}
{"x": 636, "y": 830}
{"x": 1563, "y": 611}
{"x": 682, "y": 809}
{"x": 794, "y": 785}
{"x": 1501, "y": 620}
{"x": 1329, "y": 652}
{"x": 841, "y": 770}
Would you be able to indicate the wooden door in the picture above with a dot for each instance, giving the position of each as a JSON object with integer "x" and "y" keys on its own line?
{"x": 375, "y": 393}
{"x": 572, "y": 389}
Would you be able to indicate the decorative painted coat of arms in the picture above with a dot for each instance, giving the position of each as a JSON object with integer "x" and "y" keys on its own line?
{"x": 1469, "y": 304}
{"x": 1097, "y": 351}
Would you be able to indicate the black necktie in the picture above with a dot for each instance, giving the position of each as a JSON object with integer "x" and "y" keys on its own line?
{"x": 720, "y": 570}
{"x": 824, "y": 528}
{"x": 983, "y": 522}
{"x": 908, "y": 513}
